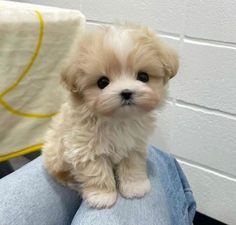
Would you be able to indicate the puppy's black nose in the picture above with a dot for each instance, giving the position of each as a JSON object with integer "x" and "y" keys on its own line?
{"x": 126, "y": 94}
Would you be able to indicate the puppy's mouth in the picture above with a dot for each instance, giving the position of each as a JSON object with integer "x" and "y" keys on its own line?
{"x": 127, "y": 103}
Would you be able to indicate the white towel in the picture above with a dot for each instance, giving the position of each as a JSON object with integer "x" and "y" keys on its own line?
{"x": 34, "y": 43}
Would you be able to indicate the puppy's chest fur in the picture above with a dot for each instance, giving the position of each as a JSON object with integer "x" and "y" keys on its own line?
{"x": 91, "y": 137}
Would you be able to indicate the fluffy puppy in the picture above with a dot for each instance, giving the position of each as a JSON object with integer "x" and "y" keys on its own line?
{"x": 97, "y": 143}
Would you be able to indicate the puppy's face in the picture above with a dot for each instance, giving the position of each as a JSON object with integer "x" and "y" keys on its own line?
{"x": 120, "y": 71}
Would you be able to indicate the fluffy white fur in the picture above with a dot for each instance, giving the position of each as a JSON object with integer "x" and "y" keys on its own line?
{"x": 98, "y": 140}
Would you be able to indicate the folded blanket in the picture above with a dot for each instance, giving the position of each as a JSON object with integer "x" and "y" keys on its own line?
{"x": 34, "y": 43}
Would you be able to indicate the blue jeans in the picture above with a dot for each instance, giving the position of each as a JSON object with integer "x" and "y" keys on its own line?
{"x": 30, "y": 196}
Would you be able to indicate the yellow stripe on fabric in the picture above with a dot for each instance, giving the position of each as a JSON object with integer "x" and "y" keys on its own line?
{"x": 6, "y": 105}
{"x": 24, "y": 151}
{"x": 24, "y": 114}
{"x": 36, "y": 52}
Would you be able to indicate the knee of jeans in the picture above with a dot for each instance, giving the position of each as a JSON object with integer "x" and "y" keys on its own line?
{"x": 190, "y": 202}
{"x": 191, "y": 205}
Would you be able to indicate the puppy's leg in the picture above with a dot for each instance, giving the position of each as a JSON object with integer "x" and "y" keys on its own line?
{"x": 53, "y": 158}
{"x": 132, "y": 175}
{"x": 97, "y": 182}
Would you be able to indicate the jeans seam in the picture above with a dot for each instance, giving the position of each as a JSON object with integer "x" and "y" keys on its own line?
{"x": 188, "y": 190}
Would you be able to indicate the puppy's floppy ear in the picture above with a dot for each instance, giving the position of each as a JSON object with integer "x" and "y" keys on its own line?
{"x": 170, "y": 62}
{"x": 166, "y": 55}
{"x": 70, "y": 77}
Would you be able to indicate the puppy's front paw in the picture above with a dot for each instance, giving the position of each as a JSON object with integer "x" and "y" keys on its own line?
{"x": 100, "y": 198}
{"x": 135, "y": 189}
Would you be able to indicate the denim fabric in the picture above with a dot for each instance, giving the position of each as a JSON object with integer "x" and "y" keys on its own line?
{"x": 30, "y": 196}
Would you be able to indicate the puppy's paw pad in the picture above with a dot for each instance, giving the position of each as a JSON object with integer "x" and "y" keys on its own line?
{"x": 100, "y": 199}
{"x": 135, "y": 189}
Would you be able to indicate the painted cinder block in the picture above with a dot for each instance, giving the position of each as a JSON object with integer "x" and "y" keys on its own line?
{"x": 164, "y": 124}
{"x": 213, "y": 192}
{"x": 207, "y": 76}
{"x": 165, "y": 15}
{"x": 213, "y": 20}
{"x": 204, "y": 137}
{"x": 69, "y": 4}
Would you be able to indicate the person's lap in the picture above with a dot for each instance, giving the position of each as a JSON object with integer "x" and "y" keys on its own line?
{"x": 30, "y": 197}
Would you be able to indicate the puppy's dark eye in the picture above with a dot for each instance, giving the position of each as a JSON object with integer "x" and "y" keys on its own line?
{"x": 143, "y": 76}
{"x": 103, "y": 82}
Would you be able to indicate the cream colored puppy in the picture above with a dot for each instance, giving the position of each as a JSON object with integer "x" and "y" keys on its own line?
{"x": 97, "y": 143}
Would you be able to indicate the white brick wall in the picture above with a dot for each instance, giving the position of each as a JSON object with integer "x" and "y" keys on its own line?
{"x": 198, "y": 124}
